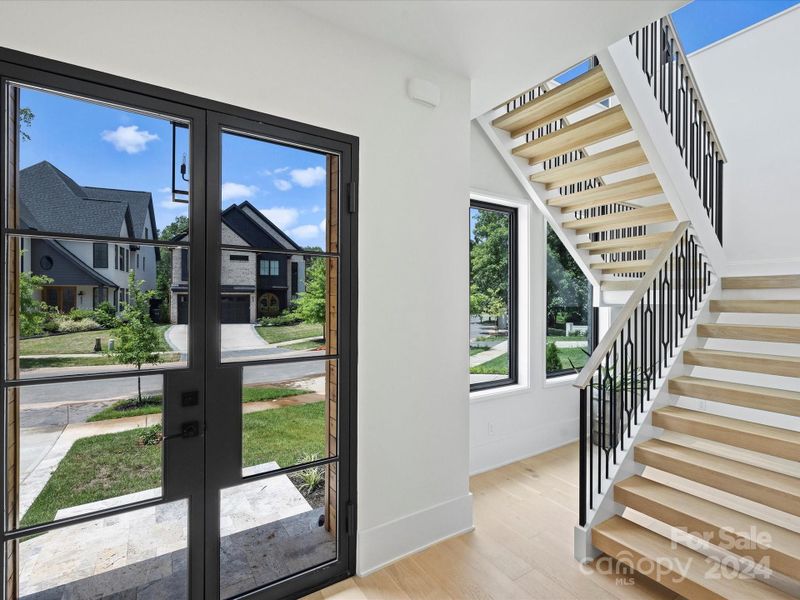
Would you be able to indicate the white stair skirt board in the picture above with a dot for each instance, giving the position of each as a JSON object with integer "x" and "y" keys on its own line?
{"x": 605, "y": 506}
{"x": 386, "y": 543}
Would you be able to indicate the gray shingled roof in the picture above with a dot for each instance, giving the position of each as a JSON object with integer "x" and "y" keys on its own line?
{"x": 51, "y": 201}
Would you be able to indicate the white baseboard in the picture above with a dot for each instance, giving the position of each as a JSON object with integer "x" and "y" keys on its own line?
{"x": 384, "y": 544}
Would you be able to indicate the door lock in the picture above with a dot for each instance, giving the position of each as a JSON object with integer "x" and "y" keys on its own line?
{"x": 189, "y": 429}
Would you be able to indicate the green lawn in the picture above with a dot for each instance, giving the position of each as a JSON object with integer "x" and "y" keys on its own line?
{"x": 496, "y": 366}
{"x": 105, "y": 466}
{"x": 308, "y": 345}
{"x": 473, "y": 350}
{"x": 565, "y": 338}
{"x": 285, "y": 333}
{"x": 76, "y": 343}
{"x": 80, "y": 361}
{"x": 130, "y": 407}
{"x": 576, "y": 355}
{"x": 492, "y": 338}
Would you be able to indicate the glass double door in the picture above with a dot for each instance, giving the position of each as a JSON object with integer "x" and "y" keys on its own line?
{"x": 182, "y": 427}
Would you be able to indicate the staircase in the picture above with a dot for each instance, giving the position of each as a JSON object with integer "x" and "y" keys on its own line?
{"x": 690, "y": 403}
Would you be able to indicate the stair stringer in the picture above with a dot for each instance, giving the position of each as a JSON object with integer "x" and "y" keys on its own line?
{"x": 504, "y": 144}
{"x": 624, "y": 73}
{"x": 606, "y": 508}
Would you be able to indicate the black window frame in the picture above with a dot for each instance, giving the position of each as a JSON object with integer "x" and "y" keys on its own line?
{"x": 100, "y": 251}
{"x": 239, "y": 257}
{"x": 513, "y": 295}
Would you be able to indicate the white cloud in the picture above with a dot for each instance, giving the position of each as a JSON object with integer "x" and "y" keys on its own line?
{"x": 129, "y": 138}
{"x": 281, "y": 170}
{"x": 268, "y": 173}
{"x": 308, "y": 177}
{"x": 305, "y": 232}
{"x": 170, "y": 205}
{"x": 235, "y": 191}
{"x": 316, "y": 208}
{"x": 322, "y": 226}
{"x": 282, "y": 185}
{"x": 282, "y": 216}
{"x": 165, "y": 190}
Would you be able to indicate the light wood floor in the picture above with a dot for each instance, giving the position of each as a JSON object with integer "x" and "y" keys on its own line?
{"x": 521, "y": 547}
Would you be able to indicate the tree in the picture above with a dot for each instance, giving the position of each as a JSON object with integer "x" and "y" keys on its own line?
{"x": 25, "y": 121}
{"x": 139, "y": 339}
{"x": 32, "y": 312}
{"x": 489, "y": 275}
{"x": 164, "y": 266}
{"x": 311, "y": 304}
{"x": 552, "y": 360}
{"x": 567, "y": 288}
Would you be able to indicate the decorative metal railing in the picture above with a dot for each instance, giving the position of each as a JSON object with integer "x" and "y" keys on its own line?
{"x": 674, "y": 86}
{"x": 631, "y": 360}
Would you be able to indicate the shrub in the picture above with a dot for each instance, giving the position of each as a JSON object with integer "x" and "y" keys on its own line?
{"x": 151, "y": 436}
{"x": 65, "y": 324}
{"x": 287, "y": 318}
{"x": 106, "y": 315}
{"x": 310, "y": 479}
{"x": 552, "y": 361}
{"x": 78, "y": 314}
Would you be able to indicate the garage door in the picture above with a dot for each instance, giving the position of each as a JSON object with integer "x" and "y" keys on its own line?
{"x": 235, "y": 309}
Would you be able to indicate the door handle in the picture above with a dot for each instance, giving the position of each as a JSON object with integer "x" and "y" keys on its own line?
{"x": 189, "y": 429}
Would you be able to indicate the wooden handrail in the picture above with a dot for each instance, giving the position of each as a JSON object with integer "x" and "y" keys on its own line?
{"x": 599, "y": 354}
{"x": 695, "y": 87}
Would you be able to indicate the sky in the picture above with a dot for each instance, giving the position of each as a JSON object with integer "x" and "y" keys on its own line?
{"x": 102, "y": 146}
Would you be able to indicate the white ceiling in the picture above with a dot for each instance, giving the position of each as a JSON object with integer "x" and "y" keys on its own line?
{"x": 503, "y": 46}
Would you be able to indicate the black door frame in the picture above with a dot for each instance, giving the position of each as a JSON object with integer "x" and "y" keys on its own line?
{"x": 184, "y": 476}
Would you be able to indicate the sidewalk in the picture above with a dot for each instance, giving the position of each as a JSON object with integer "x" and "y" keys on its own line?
{"x": 489, "y": 354}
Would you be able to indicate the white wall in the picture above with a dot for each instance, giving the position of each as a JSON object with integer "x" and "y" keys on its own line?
{"x": 506, "y": 425}
{"x": 413, "y": 415}
{"x": 750, "y": 84}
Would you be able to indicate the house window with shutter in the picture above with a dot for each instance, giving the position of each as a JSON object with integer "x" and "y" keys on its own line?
{"x": 100, "y": 254}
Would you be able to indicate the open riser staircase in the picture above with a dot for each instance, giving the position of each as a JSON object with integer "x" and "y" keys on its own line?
{"x": 690, "y": 402}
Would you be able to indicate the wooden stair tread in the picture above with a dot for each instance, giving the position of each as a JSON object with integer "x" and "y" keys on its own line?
{"x": 606, "y": 162}
{"x": 625, "y": 244}
{"x": 623, "y": 266}
{"x": 587, "y": 89}
{"x": 770, "y": 488}
{"x": 785, "y": 307}
{"x": 620, "y": 285}
{"x": 634, "y": 545}
{"x": 759, "y": 333}
{"x": 758, "y": 539}
{"x": 578, "y": 135}
{"x": 740, "y": 394}
{"x": 788, "y": 366}
{"x": 621, "y": 191}
{"x": 774, "y": 441}
{"x": 646, "y": 215}
{"x": 761, "y": 282}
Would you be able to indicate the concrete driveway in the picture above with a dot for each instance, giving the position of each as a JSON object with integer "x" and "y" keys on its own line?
{"x": 235, "y": 337}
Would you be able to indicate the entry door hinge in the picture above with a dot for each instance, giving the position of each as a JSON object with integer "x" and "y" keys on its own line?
{"x": 350, "y": 517}
{"x": 352, "y": 201}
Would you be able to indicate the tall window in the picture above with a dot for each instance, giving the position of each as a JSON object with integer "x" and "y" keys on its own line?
{"x": 100, "y": 259}
{"x": 569, "y": 302}
{"x": 492, "y": 295}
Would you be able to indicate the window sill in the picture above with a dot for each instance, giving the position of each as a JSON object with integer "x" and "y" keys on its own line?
{"x": 513, "y": 389}
{"x": 560, "y": 380}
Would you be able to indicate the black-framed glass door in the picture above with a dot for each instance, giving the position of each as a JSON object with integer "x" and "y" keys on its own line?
{"x": 184, "y": 425}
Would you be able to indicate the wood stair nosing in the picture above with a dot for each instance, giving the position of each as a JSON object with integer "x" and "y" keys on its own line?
{"x": 758, "y": 333}
{"x": 586, "y": 89}
{"x": 730, "y": 529}
{"x": 626, "y": 190}
{"x": 738, "y": 394}
{"x": 602, "y": 126}
{"x": 606, "y": 162}
{"x": 648, "y": 215}
{"x": 626, "y": 244}
{"x": 775, "y": 441}
{"x": 770, "y": 364}
{"x": 769, "y": 488}
{"x": 679, "y": 569}
{"x": 761, "y": 282}
{"x": 783, "y": 307}
{"x": 626, "y": 266}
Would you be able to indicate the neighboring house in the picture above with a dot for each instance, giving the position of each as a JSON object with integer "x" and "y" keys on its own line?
{"x": 254, "y": 284}
{"x": 84, "y": 273}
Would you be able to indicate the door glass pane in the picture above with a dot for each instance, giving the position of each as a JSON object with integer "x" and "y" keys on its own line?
{"x": 88, "y": 168}
{"x": 262, "y": 319}
{"x": 76, "y": 318}
{"x": 569, "y": 297}
{"x": 86, "y": 446}
{"x": 489, "y": 295}
{"x": 138, "y": 554}
{"x": 276, "y": 196}
{"x": 270, "y": 529}
{"x": 289, "y": 414}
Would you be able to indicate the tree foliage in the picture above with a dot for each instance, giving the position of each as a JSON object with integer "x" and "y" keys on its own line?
{"x": 32, "y": 312}
{"x": 164, "y": 265}
{"x": 25, "y": 121}
{"x": 311, "y": 304}
{"x": 567, "y": 288}
{"x": 138, "y": 337}
{"x": 489, "y": 275}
